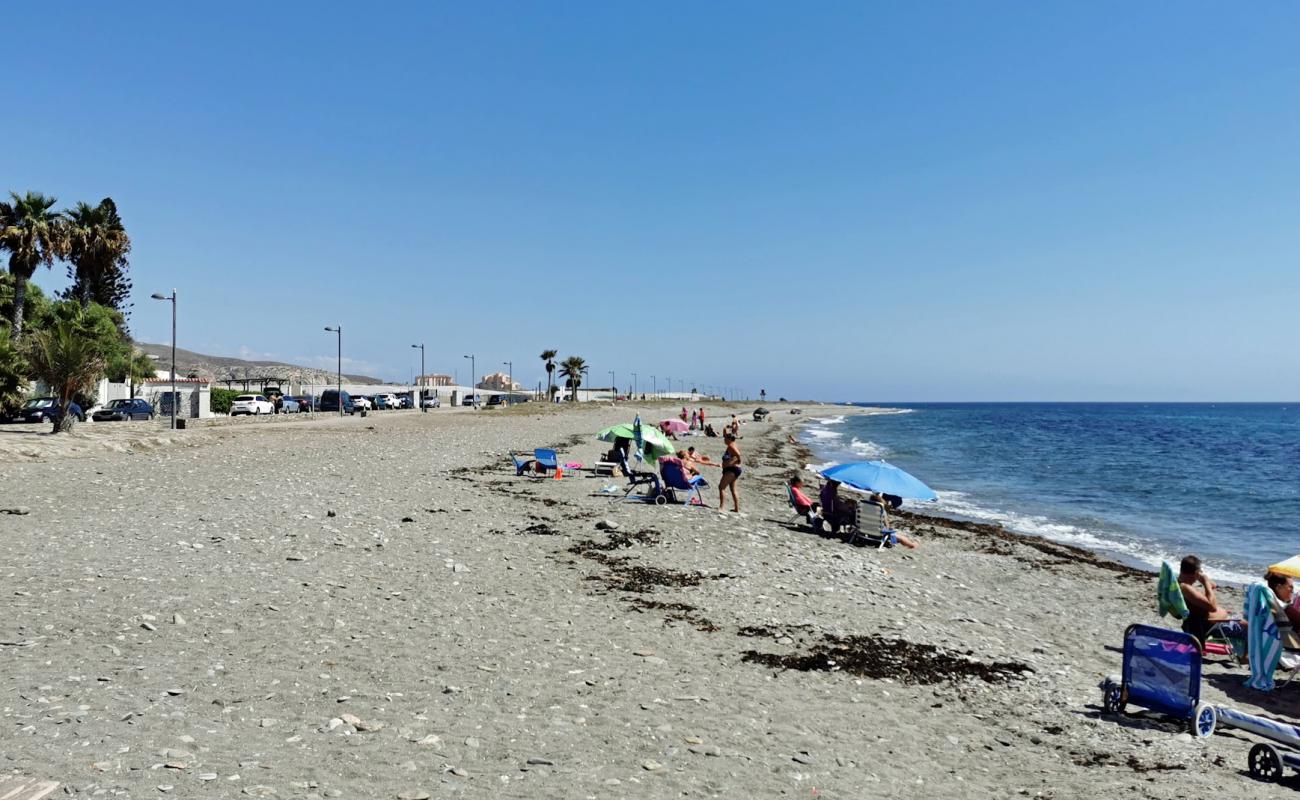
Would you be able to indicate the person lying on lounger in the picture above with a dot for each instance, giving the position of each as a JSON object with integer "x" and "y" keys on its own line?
{"x": 1203, "y": 609}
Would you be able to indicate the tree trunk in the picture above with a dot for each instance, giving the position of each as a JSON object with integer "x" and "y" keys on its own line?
{"x": 66, "y": 419}
{"x": 20, "y": 299}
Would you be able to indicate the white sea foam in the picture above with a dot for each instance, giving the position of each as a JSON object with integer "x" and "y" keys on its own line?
{"x": 1147, "y": 553}
{"x": 867, "y": 449}
{"x": 818, "y": 433}
{"x": 837, "y": 420}
{"x": 821, "y": 467}
{"x": 875, "y": 412}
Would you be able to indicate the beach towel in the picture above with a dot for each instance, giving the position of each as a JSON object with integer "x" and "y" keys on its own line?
{"x": 1264, "y": 642}
{"x": 1169, "y": 596}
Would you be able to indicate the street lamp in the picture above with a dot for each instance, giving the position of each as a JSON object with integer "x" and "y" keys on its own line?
{"x": 613, "y": 384}
{"x": 472, "y": 385}
{"x": 634, "y": 385}
{"x": 669, "y": 390}
{"x": 171, "y": 297}
{"x": 654, "y": 387}
{"x": 586, "y": 378}
{"x": 339, "y": 330}
{"x": 510, "y": 387}
{"x": 419, "y": 386}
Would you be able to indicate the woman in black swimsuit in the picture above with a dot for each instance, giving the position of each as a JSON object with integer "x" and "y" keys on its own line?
{"x": 730, "y": 473}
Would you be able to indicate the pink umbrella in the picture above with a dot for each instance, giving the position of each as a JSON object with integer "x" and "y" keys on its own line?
{"x": 673, "y": 426}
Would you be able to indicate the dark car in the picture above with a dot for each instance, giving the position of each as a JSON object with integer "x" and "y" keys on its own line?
{"x": 329, "y": 401}
{"x": 122, "y": 410}
{"x": 45, "y": 409}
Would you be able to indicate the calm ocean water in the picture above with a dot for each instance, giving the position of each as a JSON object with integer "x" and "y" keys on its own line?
{"x": 1141, "y": 482}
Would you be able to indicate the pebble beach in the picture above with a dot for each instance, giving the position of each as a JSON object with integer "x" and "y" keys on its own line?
{"x": 380, "y": 608}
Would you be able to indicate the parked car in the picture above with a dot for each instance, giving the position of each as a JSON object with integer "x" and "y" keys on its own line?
{"x": 496, "y": 400}
{"x": 360, "y": 401}
{"x": 122, "y": 410}
{"x": 251, "y": 404}
{"x": 390, "y": 401}
{"x": 43, "y": 409}
{"x": 289, "y": 405}
{"x": 330, "y": 400}
{"x": 469, "y": 400}
{"x": 404, "y": 401}
{"x": 432, "y": 401}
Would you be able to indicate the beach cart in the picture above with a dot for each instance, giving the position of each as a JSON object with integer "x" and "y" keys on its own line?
{"x": 1162, "y": 673}
{"x": 1265, "y": 761}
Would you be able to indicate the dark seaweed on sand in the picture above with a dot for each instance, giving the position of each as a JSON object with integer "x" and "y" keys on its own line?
{"x": 879, "y": 657}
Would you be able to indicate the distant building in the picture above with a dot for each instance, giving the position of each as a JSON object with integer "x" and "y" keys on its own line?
{"x": 498, "y": 382}
{"x": 435, "y": 379}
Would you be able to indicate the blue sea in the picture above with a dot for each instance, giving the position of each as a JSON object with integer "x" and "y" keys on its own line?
{"x": 1139, "y": 482}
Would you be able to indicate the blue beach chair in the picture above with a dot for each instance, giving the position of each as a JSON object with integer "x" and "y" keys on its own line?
{"x": 1162, "y": 673}
{"x": 676, "y": 480}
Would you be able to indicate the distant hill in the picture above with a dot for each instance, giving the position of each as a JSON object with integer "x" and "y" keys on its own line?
{"x": 222, "y": 368}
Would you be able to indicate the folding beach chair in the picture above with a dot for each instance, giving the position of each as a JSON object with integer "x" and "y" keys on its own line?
{"x": 548, "y": 460}
{"x": 862, "y": 526}
{"x": 676, "y": 480}
{"x": 637, "y": 479}
{"x": 1162, "y": 673}
{"x": 801, "y": 511}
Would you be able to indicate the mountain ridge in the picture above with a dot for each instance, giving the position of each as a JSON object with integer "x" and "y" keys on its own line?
{"x": 227, "y": 368}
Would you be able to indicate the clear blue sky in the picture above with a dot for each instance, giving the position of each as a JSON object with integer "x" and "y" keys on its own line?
{"x": 938, "y": 201}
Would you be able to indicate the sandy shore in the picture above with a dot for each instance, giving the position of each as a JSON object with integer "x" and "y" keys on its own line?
{"x": 380, "y": 608}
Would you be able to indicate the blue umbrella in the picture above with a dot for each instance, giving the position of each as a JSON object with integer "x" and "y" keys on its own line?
{"x": 880, "y": 476}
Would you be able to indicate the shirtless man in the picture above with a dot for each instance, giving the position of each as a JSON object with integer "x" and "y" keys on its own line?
{"x": 1204, "y": 611}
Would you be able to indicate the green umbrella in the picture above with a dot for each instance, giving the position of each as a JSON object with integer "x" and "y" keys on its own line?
{"x": 655, "y": 443}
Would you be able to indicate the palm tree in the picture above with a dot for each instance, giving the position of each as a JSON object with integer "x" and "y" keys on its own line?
{"x": 33, "y": 235}
{"x": 549, "y": 357}
{"x": 67, "y": 360}
{"x": 97, "y": 250}
{"x": 572, "y": 368}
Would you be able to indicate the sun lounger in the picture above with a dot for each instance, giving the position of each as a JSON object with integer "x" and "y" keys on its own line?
{"x": 547, "y": 459}
{"x": 1162, "y": 673}
{"x": 647, "y": 481}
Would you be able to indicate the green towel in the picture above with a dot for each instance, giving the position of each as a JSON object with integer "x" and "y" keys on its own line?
{"x": 1169, "y": 596}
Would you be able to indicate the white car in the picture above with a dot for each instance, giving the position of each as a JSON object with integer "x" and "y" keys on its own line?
{"x": 362, "y": 402}
{"x": 251, "y": 404}
{"x": 432, "y": 401}
{"x": 392, "y": 401}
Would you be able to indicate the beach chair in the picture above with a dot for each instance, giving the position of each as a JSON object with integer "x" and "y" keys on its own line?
{"x": 675, "y": 479}
{"x": 1162, "y": 673}
{"x": 876, "y": 533}
{"x": 547, "y": 460}
{"x": 801, "y": 511}
{"x": 648, "y": 482}
{"x": 1169, "y": 600}
{"x": 523, "y": 465}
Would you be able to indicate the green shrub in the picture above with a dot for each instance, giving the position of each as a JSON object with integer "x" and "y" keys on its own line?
{"x": 222, "y": 398}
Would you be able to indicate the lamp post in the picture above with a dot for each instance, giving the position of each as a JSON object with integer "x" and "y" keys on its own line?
{"x": 613, "y": 385}
{"x": 669, "y": 390}
{"x": 654, "y": 387}
{"x": 419, "y": 387}
{"x": 473, "y": 370}
{"x": 633, "y": 385}
{"x": 171, "y": 297}
{"x": 586, "y": 379}
{"x": 339, "y": 330}
{"x": 510, "y": 377}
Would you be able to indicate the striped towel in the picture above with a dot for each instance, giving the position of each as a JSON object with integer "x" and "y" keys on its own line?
{"x": 1264, "y": 643}
{"x": 1169, "y": 596}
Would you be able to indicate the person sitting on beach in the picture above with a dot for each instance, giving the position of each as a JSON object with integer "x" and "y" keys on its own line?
{"x": 1284, "y": 611}
{"x": 710, "y": 432}
{"x": 802, "y": 502}
{"x": 886, "y": 502}
{"x": 1203, "y": 609}
{"x": 837, "y": 510}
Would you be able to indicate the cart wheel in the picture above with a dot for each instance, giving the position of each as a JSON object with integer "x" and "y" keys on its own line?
{"x": 1112, "y": 699}
{"x": 1204, "y": 719}
{"x": 661, "y": 499}
{"x": 1265, "y": 763}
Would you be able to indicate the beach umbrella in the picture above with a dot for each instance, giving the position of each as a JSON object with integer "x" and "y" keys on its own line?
{"x": 880, "y": 476}
{"x": 653, "y": 443}
{"x": 674, "y": 425}
{"x": 1290, "y": 567}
